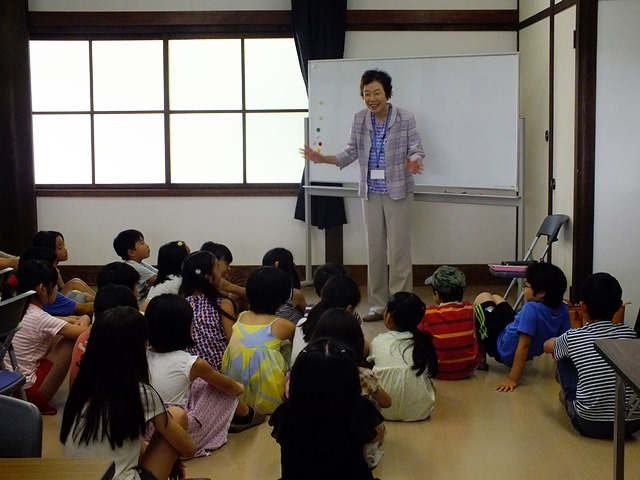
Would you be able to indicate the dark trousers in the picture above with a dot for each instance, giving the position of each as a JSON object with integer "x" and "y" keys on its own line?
{"x": 568, "y": 378}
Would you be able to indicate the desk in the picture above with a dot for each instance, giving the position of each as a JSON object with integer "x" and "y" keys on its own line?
{"x": 624, "y": 357}
{"x": 57, "y": 468}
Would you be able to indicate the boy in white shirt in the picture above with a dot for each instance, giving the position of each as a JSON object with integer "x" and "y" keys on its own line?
{"x": 133, "y": 250}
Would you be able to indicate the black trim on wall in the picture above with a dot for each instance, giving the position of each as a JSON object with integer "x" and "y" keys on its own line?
{"x": 551, "y": 136}
{"x": 278, "y": 21}
{"x": 585, "y": 138}
{"x": 554, "y": 8}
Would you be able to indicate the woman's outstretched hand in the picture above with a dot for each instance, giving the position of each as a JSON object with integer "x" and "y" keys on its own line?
{"x": 310, "y": 154}
{"x": 414, "y": 166}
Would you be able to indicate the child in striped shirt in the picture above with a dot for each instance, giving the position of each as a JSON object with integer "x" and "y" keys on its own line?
{"x": 587, "y": 383}
{"x": 451, "y": 326}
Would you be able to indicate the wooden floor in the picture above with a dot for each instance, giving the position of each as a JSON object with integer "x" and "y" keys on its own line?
{"x": 474, "y": 433}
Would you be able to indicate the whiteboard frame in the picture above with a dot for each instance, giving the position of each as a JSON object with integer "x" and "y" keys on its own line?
{"x": 494, "y": 132}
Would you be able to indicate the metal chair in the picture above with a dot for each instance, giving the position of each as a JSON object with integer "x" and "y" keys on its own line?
{"x": 20, "y": 429}
{"x": 11, "y": 313}
{"x": 550, "y": 229}
{"x": 4, "y": 275}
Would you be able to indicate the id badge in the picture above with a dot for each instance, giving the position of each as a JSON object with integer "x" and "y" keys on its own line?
{"x": 377, "y": 174}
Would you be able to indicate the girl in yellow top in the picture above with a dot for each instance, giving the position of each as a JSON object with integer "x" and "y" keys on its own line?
{"x": 253, "y": 356}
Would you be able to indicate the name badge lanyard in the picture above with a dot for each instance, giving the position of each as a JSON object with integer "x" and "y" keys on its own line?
{"x": 377, "y": 151}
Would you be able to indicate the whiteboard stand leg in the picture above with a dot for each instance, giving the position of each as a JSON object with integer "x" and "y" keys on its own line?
{"x": 308, "y": 277}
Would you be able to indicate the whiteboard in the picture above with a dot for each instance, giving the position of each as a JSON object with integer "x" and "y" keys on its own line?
{"x": 466, "y": 109}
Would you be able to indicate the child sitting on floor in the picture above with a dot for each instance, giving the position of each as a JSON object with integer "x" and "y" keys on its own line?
{"x": 451, "y": 325}
{"x": 513, "y": 338}
{"x": 323, "y": 427}
{"x": 62, "y": 306}
{"x": 339, "y": 291}
{"x": 225, "y": 257}
{"x": 213, "y": 314}
{"x": 76, "y": 289}
{"x": 44, "y": 344}
{"x": 170, "y": 258}
{"x": 343, "y": 326}
{"x": 131, "y": 247}
{"x": 108, "y": 296}
{"x": 294, "y": 306}
{"x": 587, "y": 383}
{"x": 253, "y": 356}
{"x": 111, "y": 402}
{"x": 405, "y": 359}
{"x": 209, "y": 397}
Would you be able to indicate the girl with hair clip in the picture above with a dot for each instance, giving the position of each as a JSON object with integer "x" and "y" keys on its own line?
{"x": 323, "y": 427}
{"x": 340, "y": 324}
{"x": 293, "y": 308}
{"x": 213, "y": 314}
{"x": 111, "y": 402}
{"x": 405, "y": 359}
{"x": 44, "y": 344}
{"x": 209, "y": 397}
{"x": 170, "y": 258}
{"x": 253, "y": 356}
{"x": 76, "y": 289}
{"x": 339, "y": 291}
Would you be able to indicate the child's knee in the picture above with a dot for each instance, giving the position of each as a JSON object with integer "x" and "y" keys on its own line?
{"x": 483, "y": 297}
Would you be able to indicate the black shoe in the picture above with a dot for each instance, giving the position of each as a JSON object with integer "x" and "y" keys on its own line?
{"x": 253, "y": 418}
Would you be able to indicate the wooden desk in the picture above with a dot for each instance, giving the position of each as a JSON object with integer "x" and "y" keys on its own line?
{"x": 623, "y": 356}
{"x": 57, "y": 468}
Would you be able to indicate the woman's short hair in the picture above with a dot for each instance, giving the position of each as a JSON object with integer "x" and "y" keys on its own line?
{"x": 379, "y": 76}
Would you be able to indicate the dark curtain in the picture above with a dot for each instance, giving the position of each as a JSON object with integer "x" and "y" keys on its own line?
{"x": 319, "y": 28}
{"x": 17, "y": 188}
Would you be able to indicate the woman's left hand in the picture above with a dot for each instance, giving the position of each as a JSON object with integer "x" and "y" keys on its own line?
{"x": 414, "y": 166}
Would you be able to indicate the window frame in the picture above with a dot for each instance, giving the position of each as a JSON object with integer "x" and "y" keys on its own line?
{"x": 164, "y": 26}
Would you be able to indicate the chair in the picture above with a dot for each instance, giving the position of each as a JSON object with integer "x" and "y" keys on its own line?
{"x": 11, "y": 313}
{"x": 20, "y": 429}
{"x": 4, "y": 276}
{"x": 550, "y": 228}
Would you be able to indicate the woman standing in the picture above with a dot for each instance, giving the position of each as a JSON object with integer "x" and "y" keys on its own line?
{"x": 386, "y": 143}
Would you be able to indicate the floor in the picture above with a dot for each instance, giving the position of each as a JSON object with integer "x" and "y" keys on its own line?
{"x": 473, "y": 433}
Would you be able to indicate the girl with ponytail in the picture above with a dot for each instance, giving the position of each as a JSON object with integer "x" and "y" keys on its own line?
{"x": 405, "y": 359}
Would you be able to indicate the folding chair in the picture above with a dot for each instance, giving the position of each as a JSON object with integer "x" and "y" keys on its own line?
{"x": 4, "y": 276}
{"x": 20, "y": 429}
{"x": 550, "y": 228}
{"x": 11, "y": 313}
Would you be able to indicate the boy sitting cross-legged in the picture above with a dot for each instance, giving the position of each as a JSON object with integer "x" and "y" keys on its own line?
{"x": 451, "y": 325}
{"x": 587, "y": 382}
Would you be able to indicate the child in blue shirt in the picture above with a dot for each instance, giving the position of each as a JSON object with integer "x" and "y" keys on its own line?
{"x": 513, "y": 338}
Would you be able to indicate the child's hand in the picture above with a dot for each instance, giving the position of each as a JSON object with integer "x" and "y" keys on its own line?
{"x": 240, "y": 388}
{"x": 507, "y": 385}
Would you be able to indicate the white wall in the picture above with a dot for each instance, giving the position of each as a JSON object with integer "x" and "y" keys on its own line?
{"x": 564, "y": 112}
{"x": 249, "y": 226}
{"x": 534, "y": 107}
{"x": 617, "y": 235}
